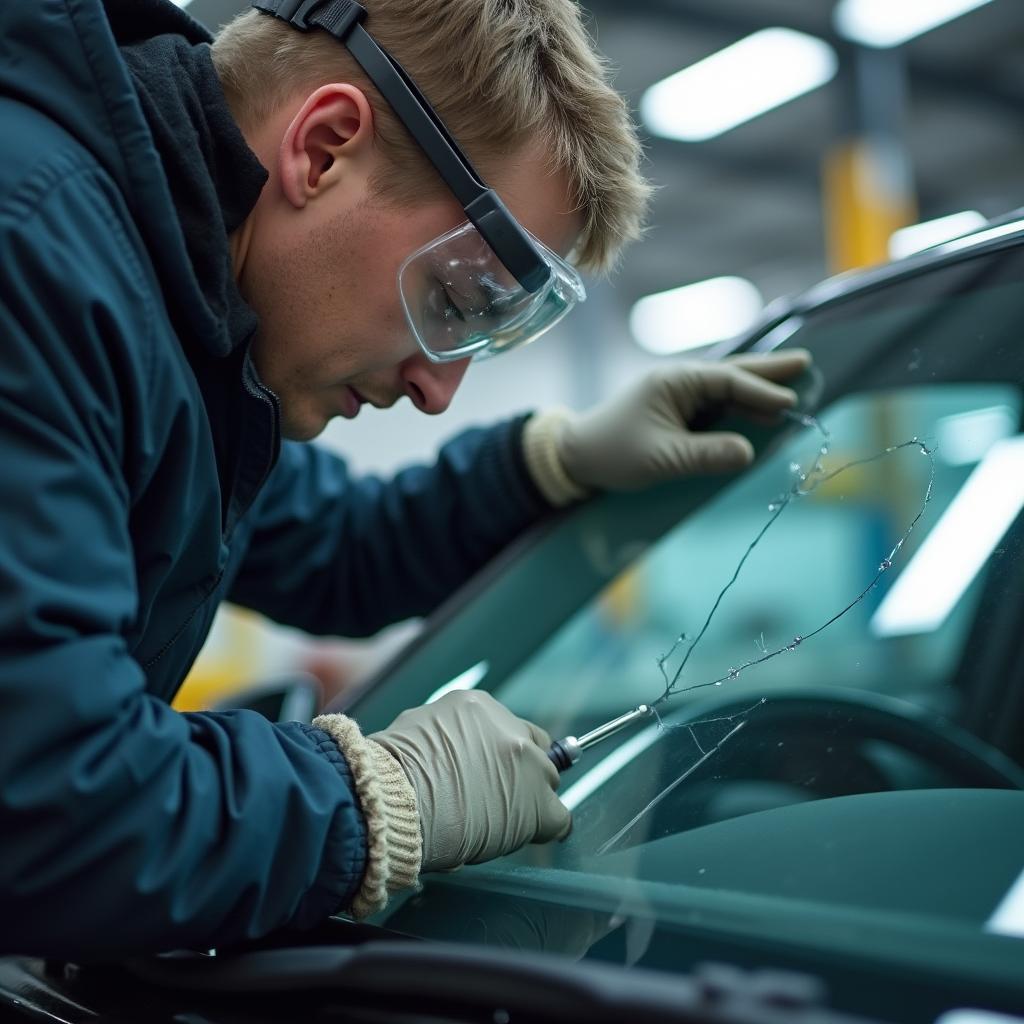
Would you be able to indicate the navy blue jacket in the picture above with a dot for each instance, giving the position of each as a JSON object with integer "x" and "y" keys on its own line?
{"x": 142, "y": 481}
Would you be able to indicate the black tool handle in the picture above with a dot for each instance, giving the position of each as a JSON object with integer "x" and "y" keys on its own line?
{"x": 561, "y": 753}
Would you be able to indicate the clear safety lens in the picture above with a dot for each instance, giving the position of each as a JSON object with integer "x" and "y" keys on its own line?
{"x": 461, "y": 301}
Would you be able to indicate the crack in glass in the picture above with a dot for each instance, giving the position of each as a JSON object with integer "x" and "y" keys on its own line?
{"x": 804, "y": 483}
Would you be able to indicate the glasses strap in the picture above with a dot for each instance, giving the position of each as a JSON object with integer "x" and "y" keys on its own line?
{"x": 503, "y": 233}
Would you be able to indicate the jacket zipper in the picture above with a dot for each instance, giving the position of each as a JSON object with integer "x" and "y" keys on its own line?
{"x": 181, "y": 629}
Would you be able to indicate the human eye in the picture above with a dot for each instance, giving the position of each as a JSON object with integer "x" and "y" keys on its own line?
{"x": 498, "y": 302}
{"x": 449, "y": 308}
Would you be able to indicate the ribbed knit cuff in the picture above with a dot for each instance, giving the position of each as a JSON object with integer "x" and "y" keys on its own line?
{"x": 540, "y": 450}
{"x": 388, "y": 801}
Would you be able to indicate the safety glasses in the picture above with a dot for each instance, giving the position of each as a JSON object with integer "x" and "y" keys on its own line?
{"x": 488, "y": 285}
{"x": 462, "y": 302}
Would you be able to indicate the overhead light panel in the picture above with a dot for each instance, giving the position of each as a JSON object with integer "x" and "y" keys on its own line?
{"x": 1008, "y": 917}
{"x": 741, "y": 82}
{"x": 953, "y": 554}
{"x": 885, "y": 23}
{"x": 966, "y": 437}
{"x": 467, "y": 680}
{"x": 696, "y": 314}
{"x": 916, "y": 237}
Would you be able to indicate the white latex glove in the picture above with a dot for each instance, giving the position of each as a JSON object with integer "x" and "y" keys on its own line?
{"x": 642, "y": 436}
{"x": 484, "y": 784}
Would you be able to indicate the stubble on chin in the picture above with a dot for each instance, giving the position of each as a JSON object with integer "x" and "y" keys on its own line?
{"x": 298, "y": 424}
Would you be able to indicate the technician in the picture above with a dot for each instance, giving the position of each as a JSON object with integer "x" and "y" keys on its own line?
{"x": 211, "y": 247}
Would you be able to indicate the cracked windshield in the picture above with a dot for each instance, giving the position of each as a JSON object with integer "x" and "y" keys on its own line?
{"x": 823, "y": 653}
{"x": 856, "y": 530}
{"x": 770, "y": 632}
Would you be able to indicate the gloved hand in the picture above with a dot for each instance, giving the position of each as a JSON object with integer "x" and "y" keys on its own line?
{"x": 484, "y": 784}
{"x": 643, "y": 436}
{"x": 454, "y": 782}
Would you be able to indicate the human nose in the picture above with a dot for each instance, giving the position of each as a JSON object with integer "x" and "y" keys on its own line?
{"x": 431, "y": 386}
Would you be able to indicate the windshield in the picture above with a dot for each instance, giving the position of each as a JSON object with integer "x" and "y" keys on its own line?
{"x": 829, "y": 642}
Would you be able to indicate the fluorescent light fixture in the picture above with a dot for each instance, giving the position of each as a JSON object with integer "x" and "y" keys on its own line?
{"x": 463, "y": 681}
{"x": 695, "y": 315}
{"x": 967, "y": 436}
{"x": 1008, "y": 917}
{"x": 741, "y": 82}
{"x": 953, "y": 553}
{"x": 608, "y": 766}
{"x": 933, "y": 232}
{"x": 976, "y": 1017}
{"x": 884, "y": 23}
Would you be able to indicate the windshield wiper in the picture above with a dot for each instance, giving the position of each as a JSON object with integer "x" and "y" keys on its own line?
{"x": 482, "y": 984}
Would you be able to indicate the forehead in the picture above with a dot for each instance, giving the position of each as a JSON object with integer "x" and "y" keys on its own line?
{"x": 539, "y": 199}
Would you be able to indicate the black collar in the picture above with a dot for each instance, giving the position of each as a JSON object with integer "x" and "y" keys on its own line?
{"x": 213, "y": 175}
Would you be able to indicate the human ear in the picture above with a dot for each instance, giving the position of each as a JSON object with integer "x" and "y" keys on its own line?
{"x": 330, "y": 135}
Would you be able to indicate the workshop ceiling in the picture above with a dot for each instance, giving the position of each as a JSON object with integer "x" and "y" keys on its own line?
{"x": 749, "y": 202}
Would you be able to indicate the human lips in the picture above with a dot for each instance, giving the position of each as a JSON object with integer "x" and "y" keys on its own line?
{"x": 363, "y": 400}
{"x": 353, "y": 402}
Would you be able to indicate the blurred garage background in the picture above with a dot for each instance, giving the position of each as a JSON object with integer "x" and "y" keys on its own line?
{"x": 789, "y": 140}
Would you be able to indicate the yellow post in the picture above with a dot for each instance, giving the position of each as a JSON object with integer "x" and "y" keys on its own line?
{"x": 867, "y": 177}
{"x": 866, "y": 198}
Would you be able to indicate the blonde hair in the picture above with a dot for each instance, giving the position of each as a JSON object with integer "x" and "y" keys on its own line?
{"x": 501, "y": 74}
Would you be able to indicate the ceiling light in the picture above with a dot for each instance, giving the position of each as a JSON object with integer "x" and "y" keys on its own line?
{"x": 1008, "y": 917}
{"x": 884, "y": 23}
{"x": 933, "y": 232}
{"x": 952, "y": 555}
{"x": 741, "y": 82}
{"x": 463, "y": 681}
{"x": 695, "y": 315}
{"x": 965, "y": 437}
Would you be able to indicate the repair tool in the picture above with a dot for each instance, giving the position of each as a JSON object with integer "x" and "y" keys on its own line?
{"x": 564, "y": 753}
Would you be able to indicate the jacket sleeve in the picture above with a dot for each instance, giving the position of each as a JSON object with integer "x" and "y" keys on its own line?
{"x": 126, "y": 827}
{"x": 331, "y": 553}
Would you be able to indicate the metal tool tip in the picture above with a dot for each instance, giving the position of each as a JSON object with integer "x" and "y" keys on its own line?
{"x": 644, "y": 709}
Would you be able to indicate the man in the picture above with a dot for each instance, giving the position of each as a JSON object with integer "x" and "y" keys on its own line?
{"x": 200, "y": 251}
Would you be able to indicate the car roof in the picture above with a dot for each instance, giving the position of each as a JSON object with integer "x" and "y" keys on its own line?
{"x": 1005, "y": 231}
